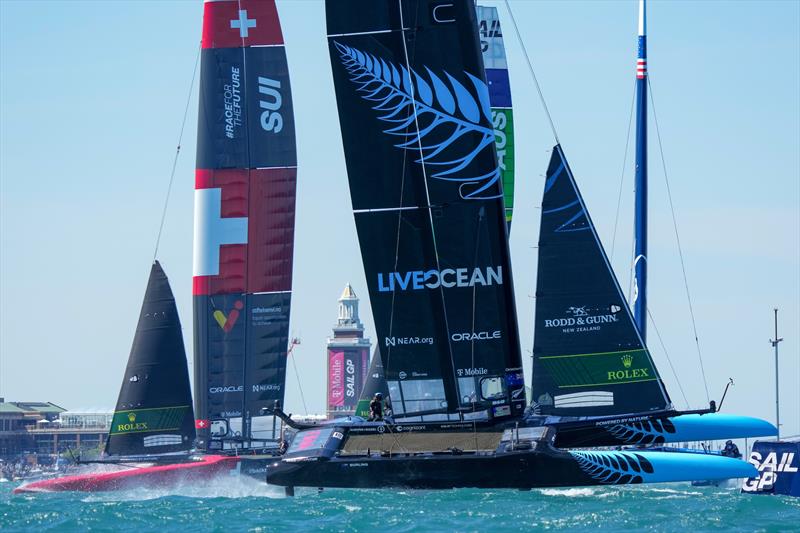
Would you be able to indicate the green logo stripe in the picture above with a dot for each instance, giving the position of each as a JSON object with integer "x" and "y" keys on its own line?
{"x": 148, "y": 420}
{"x": 362, "y": 408}
{"x": 599, "y": 369}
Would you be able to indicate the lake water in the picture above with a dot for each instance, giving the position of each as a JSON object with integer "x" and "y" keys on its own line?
{"x": 241, "y": 504}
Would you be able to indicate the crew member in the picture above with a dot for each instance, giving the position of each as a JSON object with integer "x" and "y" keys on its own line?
{"x": 731, "y": 450}
{"x": 376, "y": 408}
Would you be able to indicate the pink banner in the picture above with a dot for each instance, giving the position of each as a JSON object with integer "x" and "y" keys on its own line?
{"x": 335, "y": 378}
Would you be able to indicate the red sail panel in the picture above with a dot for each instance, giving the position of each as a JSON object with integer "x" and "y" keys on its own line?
{"x": 244, "y": 230}
{"x": 271, "y": 229}
{"x": 244, "y": 218}
{"x": 233, "y": 23}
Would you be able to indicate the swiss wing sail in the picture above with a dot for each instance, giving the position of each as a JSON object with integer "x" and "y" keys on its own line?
{"x": 244, "y": 220}
{"x": 154, "y": 411}
{"x": 494, "y": 60}
{"x": 589, "y": 359}
{"x": 427, "y": 197}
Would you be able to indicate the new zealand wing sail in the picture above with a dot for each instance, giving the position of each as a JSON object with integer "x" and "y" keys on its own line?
{"x": 154, "y": 411}
{"x": 588, "y": 356}
{"x": 244, "y": 220}
{"x": 427, "y": 196}
{"x": 494, "y": 59}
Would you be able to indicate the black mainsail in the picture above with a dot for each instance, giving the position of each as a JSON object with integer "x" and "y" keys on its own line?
{"x": 428, "y": 202}
{"x": 154, "y": 411}
{"x": 589, "y": 359}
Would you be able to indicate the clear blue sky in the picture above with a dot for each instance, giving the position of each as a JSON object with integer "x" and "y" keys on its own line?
{"x": 91, "y": 99}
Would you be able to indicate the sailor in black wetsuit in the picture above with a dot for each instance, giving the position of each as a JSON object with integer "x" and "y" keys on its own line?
{"x": 376, "y": 408}
{"x": 731, "y": 450}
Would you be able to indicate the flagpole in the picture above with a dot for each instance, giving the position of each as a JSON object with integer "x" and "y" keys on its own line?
{"x": 774, "y": 343}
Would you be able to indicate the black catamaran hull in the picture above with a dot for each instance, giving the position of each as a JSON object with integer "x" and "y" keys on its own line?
{"x": 507, "y": 470}
{"x": 357, "y": 454}
{"x": 513, "y": 471}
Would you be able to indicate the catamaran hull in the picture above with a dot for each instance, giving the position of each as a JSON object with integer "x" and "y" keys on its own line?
{"x": 648, "y": 429}
{"x": 510, "y": 470}
{"x": 158, "y": 476}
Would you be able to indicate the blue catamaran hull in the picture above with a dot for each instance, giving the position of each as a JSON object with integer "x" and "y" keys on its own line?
{"x": 658, "y": 429}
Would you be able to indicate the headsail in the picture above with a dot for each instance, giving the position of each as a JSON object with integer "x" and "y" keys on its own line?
{"x": 589, "y": 358}
{"x": 494, "y": 59}
{"x": 375, "y": 383}
{"x": 154, "y": 411}
{"x": 244, "y": 220}
{"x": 425, "y": 186}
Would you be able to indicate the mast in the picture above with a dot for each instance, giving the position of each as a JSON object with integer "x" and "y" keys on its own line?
{"x": 774, "y": 343}
{"x": 640, "y": 222}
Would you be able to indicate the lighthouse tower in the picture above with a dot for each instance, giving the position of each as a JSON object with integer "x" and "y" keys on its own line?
{"x": 348, "y": 357}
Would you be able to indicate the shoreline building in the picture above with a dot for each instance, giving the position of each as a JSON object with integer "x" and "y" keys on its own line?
{"x": 348, "y": 358}
{"x": 37, "y": 430}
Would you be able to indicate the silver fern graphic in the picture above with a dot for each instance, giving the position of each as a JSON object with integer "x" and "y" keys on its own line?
{"x": 444, "y": 115}
{"x": 618, "y": 468}
{"x": 644, "y": 432}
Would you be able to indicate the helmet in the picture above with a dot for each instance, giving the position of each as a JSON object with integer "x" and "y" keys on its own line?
{"x": 378, "y": 395}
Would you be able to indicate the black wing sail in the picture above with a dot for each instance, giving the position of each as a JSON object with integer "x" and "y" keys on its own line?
{"x": 154, "y": 412}
{"x": 428, "y": 202}
{"x": 589, "y": 359}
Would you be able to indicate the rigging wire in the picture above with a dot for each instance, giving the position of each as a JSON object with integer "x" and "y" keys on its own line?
{"x": 533, "y": 74}
{"x": 290, "y": 352}
{"x": 622, "y": 174}
{"x": 632, "y": 257}
{"x": 669, "y": 360}
{"x": 678, "y": 240}
{"x": 177, "y": 154}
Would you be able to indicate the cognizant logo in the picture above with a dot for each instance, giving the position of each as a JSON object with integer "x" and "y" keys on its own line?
{"x": 433, "y": 279}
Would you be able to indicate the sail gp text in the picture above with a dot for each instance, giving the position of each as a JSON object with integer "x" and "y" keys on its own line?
{"x": 768, "y": 469}
{"x": 433, "y": 279}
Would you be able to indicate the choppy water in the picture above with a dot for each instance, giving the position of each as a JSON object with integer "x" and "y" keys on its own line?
{"x": 246, "y": 505}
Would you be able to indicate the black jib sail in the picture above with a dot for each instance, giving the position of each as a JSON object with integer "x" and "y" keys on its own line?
{"x": 375, "y": 383}
{"x": 427, "y": 196}
{"x": 244, "y": 224}
{"x": 154, "y": 411}
{"x": 588, "y": 356}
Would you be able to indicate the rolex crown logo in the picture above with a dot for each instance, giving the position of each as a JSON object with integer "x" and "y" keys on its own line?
{"x": 132, "y": 416}
{"x": 627, "y": 360}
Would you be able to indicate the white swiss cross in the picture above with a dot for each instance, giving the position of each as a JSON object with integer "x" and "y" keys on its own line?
{"x": 243, "y": 23}
{"x": 212, "y": 231}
